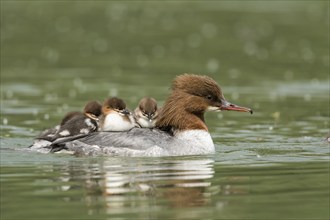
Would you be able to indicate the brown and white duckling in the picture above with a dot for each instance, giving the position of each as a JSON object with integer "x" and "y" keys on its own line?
{"x": 115, "y": 116}
{"x": 146, "y": 113}
{"x": 76, "y": 123}
{"x": 73, "y": 125}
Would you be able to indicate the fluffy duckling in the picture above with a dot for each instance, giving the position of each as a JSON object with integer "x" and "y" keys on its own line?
{"x": 73, "y": 125}
{"x": 146, "y": 113}
{"x": 115, "y": 116}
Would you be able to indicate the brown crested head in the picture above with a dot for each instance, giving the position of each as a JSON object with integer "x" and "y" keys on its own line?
{"x": 201, "y": 86}
{"x": 148, "y": 105}
{"x": 192, "y": 95}
{"x": 93, "y": 107}
{"x": 197, "y": 85}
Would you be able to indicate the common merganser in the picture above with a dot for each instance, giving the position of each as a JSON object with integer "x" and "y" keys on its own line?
{"x": 73, "y": 125}
{"x": 146, "y": 113}
{"x": 181, "y": 126}
{"x": 115, "y": 116}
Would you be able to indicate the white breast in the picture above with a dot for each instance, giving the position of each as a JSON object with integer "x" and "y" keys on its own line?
{"x": 194, "y": 142}
{"x": 145, "y": 123}
{"x": 115, "y": 122}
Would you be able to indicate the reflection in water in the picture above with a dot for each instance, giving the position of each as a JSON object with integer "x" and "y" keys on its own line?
{"x": 181, "y": 182}
{"x": 123, "y": 183}
{"x": 164, "y": 188}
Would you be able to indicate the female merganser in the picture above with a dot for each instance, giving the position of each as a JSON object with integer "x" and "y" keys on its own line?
{"x": 73, "y": 125}
{"x": 146, "y": 113}
{"x": 115, "y": 116}
{"x": 181, "y": 126}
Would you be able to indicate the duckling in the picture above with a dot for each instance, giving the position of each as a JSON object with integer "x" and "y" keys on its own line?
{"x": 146, "y": 113}
{"x": 115, "y": 116}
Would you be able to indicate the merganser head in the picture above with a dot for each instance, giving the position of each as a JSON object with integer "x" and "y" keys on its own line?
{"x": 193, "y": 95}
{"x": 210, "y": 94}
{"x": 93, "y": 109}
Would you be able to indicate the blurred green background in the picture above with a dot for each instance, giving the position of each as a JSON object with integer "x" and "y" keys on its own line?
{"x": 60, "y": 54}
{"x": 272, "y": 56}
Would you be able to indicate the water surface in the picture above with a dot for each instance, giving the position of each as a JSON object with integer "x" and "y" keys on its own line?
{"x": 272, "y": 57}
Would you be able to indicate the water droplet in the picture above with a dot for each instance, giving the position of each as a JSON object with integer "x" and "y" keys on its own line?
{"x": 116, "y": 11}
{"x": 49, "y": 97}
{"x": 113, "y": 92}
{"x": 46, "y": 116}
{"x": 35, "y": 112}
{"x": 250, "y": 48}
{"x": 307, "y": 54}
{"x": 5, "y": 121}
{"x": 50, "y": 54}
{"x": 234, "y": 73}
{"x": 276, "y": 115}
{"x": 307, "y": 97}
{"x": 212, "y": 65}
{"x": 256, "y": 106}
{"x": 77, "y": 82}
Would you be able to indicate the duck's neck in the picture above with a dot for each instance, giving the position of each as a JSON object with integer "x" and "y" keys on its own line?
{"x": 181, "y": 113}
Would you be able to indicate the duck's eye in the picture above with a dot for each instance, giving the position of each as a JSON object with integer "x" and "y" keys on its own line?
{"x": 209, "y": 97}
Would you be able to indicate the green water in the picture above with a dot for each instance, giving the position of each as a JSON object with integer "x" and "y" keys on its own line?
{"x": 272, "y": 56}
